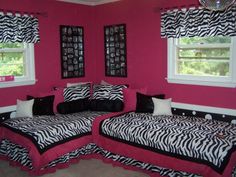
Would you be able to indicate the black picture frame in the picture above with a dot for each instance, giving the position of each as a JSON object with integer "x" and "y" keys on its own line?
{"x": 72, "y": 51}
{"x": 115, "y": 50}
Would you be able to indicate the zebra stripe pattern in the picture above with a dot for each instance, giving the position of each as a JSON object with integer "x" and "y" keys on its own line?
{"x": 15, "y": 153}
{"x": 234, "y": 172}
{"x": 77, "y": 92}
{"x": 110, "y": 92}
{"x": 198, "y": 139}
{"x": 139, "y": 164}
{"x": 19, "y": 29}
{"x": 8, "y": 148}
{"x": 48, "y": 131}
{"x": 198, "y": 22}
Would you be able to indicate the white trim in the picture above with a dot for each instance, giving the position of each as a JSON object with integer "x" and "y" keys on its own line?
{"x": 99, "y": 2}
{"x": 29, "y": 76}
{"x": 216, "y": 110}
{"x": 205, "y": 83}
{"x": 219, "y": 81}
{"x": 7, "y": 109}
{"x": 208, "y": 109}
{"x": 16, "y": 83}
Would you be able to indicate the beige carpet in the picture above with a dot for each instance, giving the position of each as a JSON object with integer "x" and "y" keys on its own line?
{"x": 85, "y": 168}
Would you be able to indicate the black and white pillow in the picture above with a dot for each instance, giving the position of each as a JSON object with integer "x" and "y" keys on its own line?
{"x": 110, "y": 92}
{"x": 77, "y": 92}
{"x": 42, "y": 105}
{"x": 144, "y": 102}
{"x": 107, "y": 98}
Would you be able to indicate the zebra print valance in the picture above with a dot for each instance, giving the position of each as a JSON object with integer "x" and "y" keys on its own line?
{"x": 198, "y": 22}
{"x": 16, "y": 28}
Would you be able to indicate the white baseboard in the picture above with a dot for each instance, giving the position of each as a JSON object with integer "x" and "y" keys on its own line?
{"x": 8, "y": 109}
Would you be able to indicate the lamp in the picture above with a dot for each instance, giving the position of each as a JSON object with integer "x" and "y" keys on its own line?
{"x": 216, "y": 5}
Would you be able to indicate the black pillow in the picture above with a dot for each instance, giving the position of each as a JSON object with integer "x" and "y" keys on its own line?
{"x": 106, "y": 105}
{"x": 42, "y": 105}
{"x": 144, "y": 102}
{"x": 73, "y": 106}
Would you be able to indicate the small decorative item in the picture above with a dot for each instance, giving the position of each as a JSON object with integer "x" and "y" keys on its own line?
{"x": 72, "y": 51}
{"x": 115, "y": 50}
{"x": 216, "y": 5}
{"x": 7, "y": 78}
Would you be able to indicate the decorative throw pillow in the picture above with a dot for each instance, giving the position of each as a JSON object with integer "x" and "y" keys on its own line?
{"x": 42, "y": 105}
{"x": 162, "y": 107}
{"x": 76, "y": 84}
{"x": 130, "y": 100}
{"x": 145, "y": 103}
{"x": 106, "y": 105}
{"x": 58, "y": 93}
{"x": 73, "y": 106}
{"x": 78, "y": 92}
{"x": 107, "y": 98}
{"x": 110, "y": 92}
{"x": 104, "y": 83}
{"x": 24, "y": 108}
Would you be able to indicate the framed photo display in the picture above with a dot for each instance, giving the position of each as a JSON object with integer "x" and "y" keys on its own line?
{"x": 115, "y": 50}
{"x": 72, "y": 51}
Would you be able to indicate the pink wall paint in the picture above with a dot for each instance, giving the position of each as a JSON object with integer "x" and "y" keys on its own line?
{"x": 47, "y": 52}
{"x": 147, "y": 53}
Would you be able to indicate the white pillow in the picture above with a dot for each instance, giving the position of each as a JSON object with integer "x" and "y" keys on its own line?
{"x": 76, "y": 84}
{"x": 162, "y": 106}
{"x": 24, "y": 108}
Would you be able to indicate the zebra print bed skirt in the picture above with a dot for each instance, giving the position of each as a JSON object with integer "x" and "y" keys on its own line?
{"x": 19, "y": 154}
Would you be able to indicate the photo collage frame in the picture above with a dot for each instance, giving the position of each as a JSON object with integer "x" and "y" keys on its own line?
{"x": 115, "y": 50}
{"x": 72, "y": 51}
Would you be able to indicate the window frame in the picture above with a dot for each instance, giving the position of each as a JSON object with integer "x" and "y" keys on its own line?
{"x": 220, "y": 81}
{"x": 29, "y": 69}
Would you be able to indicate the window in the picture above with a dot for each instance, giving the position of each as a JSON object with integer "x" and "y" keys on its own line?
{"x": 202, "y": 61}
{"x": 17, "y": 59}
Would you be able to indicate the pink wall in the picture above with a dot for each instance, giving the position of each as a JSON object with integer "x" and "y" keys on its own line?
{"x": 47, "y": 52}
{"x": 147, "y": 53}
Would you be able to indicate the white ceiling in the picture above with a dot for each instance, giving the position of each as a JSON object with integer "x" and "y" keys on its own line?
{"x": 90, "y": 2}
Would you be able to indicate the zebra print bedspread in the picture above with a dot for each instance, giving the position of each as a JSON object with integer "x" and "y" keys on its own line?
{"x": 189, "y": 138}
{"x": 48, "y": 131}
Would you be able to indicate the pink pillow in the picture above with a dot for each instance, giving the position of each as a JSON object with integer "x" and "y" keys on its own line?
{"x": 130, "y": 98}
{"x": 58, "y": 97}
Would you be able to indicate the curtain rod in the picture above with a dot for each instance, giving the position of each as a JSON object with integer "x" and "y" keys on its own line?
{"x": 179, "y": 7}
{"x": 43, "y": 14}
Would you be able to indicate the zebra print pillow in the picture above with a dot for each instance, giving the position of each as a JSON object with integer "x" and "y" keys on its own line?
{"x": 110, "y": 92}
{"x": 78, "y": 92}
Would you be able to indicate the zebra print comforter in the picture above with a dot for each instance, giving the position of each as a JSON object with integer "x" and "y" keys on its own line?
{"x": 48, "y": 131}
{"x": 196, "y": 139}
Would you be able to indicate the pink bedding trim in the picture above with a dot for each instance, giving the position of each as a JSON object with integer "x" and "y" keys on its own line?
{"x": 156, "y": 158}
{"x": 40, "y": 160}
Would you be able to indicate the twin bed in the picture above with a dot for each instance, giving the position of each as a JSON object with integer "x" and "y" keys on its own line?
{"x": 197, "y": 146}
{"x": 45, "y": 138}
{"x": 194, "y": 145}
